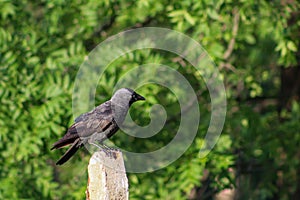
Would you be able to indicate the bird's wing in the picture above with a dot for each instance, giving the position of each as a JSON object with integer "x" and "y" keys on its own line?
{"x": 98, "y": 120}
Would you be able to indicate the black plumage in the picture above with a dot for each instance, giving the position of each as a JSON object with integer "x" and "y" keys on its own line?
{"x": 98, "y": 124}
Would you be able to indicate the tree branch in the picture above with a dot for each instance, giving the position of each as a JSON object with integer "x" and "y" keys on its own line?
{"x": 236, "y": 19}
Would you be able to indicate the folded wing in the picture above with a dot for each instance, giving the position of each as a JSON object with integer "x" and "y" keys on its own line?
{"x": 96, "y": 121}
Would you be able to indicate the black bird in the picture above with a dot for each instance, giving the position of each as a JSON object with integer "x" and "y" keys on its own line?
{"x": 98, "y": 124}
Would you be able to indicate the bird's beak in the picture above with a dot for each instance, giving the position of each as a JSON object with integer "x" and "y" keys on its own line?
{"x": 139, "y": 97}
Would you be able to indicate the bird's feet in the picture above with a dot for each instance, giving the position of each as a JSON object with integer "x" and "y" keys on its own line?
{"x": 110, "y": 151}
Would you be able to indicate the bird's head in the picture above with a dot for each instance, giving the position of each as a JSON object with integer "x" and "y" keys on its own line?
{"x": 124, "y": 97}
{"x": 121, "y": 101}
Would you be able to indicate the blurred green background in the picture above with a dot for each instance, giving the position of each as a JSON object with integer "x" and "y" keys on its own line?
{"x": 255, "y": 45}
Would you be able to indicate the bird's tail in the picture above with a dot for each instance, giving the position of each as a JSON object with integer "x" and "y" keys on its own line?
{"x": 71, "y": 151}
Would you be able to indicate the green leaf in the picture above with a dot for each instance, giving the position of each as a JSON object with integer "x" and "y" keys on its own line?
{"x": 292, "y": 46}
{"x": 189, "y": 18}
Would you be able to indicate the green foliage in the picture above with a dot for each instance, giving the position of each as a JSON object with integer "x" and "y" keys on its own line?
{"x": 44, "y": 43}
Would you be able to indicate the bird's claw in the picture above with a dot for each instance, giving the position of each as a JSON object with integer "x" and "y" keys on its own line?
{"x": 109, "y": 151}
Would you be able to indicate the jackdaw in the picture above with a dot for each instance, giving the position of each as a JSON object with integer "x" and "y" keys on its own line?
{"x": 98, "y": 124}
